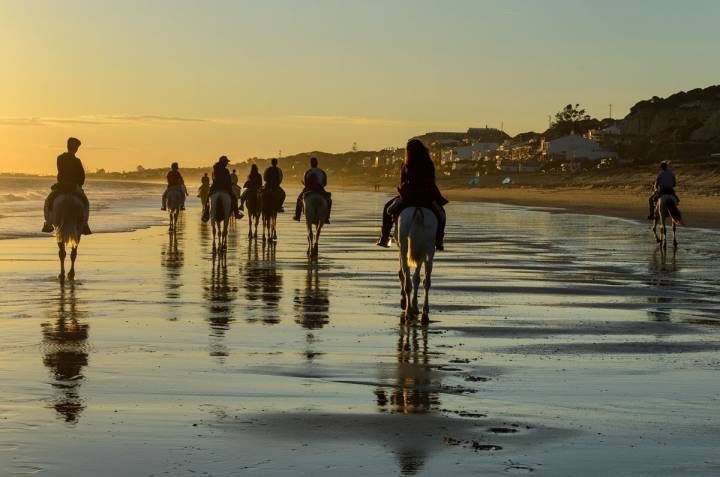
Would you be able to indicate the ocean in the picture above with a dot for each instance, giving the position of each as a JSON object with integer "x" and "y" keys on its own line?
{"x": 115, "y": 206}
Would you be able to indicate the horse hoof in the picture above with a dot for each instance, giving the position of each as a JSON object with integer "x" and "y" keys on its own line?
{"x": 61, "y": 277}
{"x": 71, "y": 276}
{"x": 425, "y": 317}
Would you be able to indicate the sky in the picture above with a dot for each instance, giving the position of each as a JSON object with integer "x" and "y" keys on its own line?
{"x": 151, "y": 82}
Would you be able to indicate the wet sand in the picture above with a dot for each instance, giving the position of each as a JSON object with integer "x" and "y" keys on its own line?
{"x": 560, "y": 344}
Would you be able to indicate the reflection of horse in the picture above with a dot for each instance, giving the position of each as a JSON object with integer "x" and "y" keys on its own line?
{"x": 666, "y": 207}
{"x": 220, "y": 211}
{"x": 313, "y": 304}
{"x": 271, "y": 202}
{"x": 172, "y": 259}
{"x": 661, "y": 277}
{"x": 67, "y": 218}
{"x": 315, "y": 205}
{"x": 175, "y": 196}
{"x": 415, "y": 230}
{"x": 263, "y": 283}
{"x": 66, "y": 354}
{"x": 412, "y": 389}
{"x": 220, "y": 296}
{"x": 253, "y": 202}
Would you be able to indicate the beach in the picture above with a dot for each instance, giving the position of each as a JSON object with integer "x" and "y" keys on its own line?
{"x": 559, "y": 344}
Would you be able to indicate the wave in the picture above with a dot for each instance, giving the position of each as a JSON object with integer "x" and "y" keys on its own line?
{"x": 21, "y": 197}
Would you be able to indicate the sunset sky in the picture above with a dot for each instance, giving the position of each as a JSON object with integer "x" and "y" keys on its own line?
{"x": 149, "y": 82}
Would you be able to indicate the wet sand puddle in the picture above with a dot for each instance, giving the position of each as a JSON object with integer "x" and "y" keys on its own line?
{"x": 559, "y": 344}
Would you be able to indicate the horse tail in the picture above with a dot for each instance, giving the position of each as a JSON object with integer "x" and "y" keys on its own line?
{"x": 415, "y": 249}
{"x": 674, "y": 212}
{"x": 70, "y": 219}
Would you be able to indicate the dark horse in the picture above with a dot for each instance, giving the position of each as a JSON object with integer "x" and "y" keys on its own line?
{"x": 271, "y": 202}
{"x": 253, "y": 200}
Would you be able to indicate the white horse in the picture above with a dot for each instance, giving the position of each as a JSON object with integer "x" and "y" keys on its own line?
{"x": 665, "y": 207}
{"x": 415, "y": 235}
{"x": 67, "y": 217}
{"x": 220, "y": 211}
{"x": 175, "y": 197}
{"x": 316, "y": 213}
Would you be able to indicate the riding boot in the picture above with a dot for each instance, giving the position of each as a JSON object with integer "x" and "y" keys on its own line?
{"x": 47, "y": 208}
{"x": 387, "y": 223}
{"x": 440, "y": 235}
{"x": 651, "y": 204}
{"x": 298, "y": 207}
{"x": 329, "y": 203}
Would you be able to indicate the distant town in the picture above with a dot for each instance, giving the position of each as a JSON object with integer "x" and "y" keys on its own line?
{"x": 682, "y": 127}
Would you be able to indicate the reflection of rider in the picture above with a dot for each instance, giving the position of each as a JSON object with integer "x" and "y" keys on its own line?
{"x": 252, "y": 184}
{"x": 314, "y": 180}
{"x": 417, "y": 188}
{"x": 664, "y": 184}
{"x": 221, "y": 181}
{"x": 273, "y": 178}
{"x": 70, "y": 179}
{"x": 175, "y": 181}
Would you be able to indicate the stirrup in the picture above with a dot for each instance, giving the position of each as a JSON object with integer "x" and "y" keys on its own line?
{"x": 296, "y": 218}
{"x": 47, "y": 228}
{"x": 383, "y": 242}
{"x": 86, "y": 230}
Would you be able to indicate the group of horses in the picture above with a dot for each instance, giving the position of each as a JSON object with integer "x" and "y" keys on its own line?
{"x": 414, "y": 232}
{"x": 263, "y": 206}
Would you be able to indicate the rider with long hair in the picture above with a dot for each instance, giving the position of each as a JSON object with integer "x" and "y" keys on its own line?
{"x": 417, "y": 188}
{"x": 252, "y": 185}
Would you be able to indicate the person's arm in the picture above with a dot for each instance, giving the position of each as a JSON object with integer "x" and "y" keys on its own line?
{"x": 324, "y": 184}
{"x": 280, "y": 176}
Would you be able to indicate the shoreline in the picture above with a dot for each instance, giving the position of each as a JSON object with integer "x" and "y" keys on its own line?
{"x": 699, "y": 211}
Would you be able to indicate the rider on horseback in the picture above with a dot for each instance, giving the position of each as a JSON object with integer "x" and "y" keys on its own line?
{"x": 252, "y": 185}
{"x": 273, "y": 178}
{"x": 204, "y": 192}
{"x": 664, "y": 184}
{"x": 223, "y": 182}
{"x": 174, "y": 181}
{"x": 314, "y": 180}
{"x": 70, "y": 179}
{"x": 417, "y": 188}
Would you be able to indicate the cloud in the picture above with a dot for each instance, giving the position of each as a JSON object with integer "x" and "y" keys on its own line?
{"x": 98, "y": 120}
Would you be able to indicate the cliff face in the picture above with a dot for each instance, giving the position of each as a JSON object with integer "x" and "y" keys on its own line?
{"x": 686, "y": 116}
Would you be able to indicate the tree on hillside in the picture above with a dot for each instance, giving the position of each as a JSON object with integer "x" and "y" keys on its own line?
{"x": 571, "y": 119}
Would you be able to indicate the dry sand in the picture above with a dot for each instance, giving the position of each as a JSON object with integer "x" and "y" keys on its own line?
{"x": 560, "y": 345}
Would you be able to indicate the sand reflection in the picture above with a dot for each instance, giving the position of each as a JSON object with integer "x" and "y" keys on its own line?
{"x": 312, "y": 307}
{"x": 172, "y": 259}
{"x": 415, "y": 386}
{"x": 661, "y": 273}
{"x": 263, "y": 283}
{"x": 65, "y": 353}
{"x": 220, "y": 296}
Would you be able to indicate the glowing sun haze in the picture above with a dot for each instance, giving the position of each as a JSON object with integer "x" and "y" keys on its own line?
{"x": 152, "y": 82}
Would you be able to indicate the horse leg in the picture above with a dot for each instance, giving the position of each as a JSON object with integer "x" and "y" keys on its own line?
{"x": 426, "y": 283}
{"x": 416, "y": 286}
{"x": 654, "y": 229}
{"x": 316, "y": 245}
{"x": 310, "y": 240}
{"x": 249, "y": 225}
{"x": 663, "y": 232}
{"x": 214, "y": 233}
{"x": 61, "y": 254}
{"x": 403, "y": 299}
{"x": 406, "y": 284}
{"x": 674, "y": 229}
{"x": 73, "y": 256}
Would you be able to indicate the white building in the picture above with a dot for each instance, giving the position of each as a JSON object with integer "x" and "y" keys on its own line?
{"x": 462, "y": 156}
{"x": 577, "y": 147}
